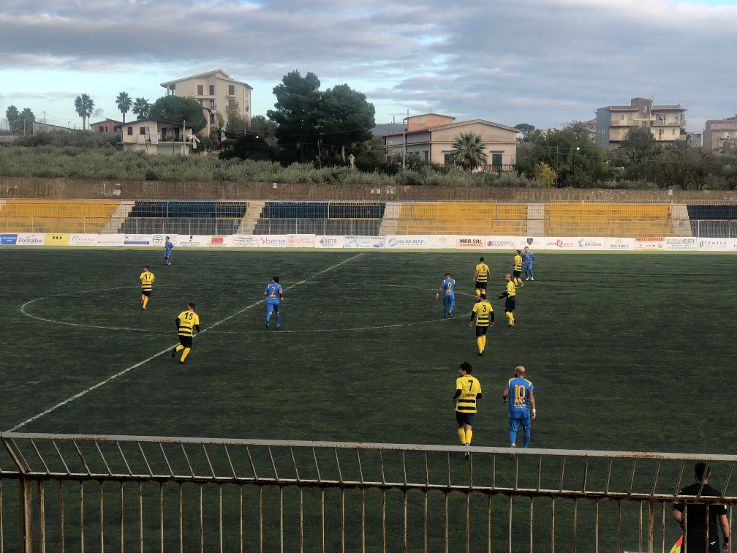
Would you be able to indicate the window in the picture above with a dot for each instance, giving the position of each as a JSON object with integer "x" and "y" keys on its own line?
{"x": 427, "y": 155}
{"x": 212, "y": 104}
{"x": 200, "y": 90}
{"x": 142, "y": 130}
{"x": 130, "y": 131}
{"x": 212, "y": 90}
{"x": 496, "y": 160}
{"x": 674, "y": 131}
{"x": 101, "y": 129}
{"x": 448, "y": 159}
{"x": 231, "y": 90}
{"x": 212, "y": 119}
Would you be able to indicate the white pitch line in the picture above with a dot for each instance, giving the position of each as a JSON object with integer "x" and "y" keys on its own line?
{"x": 168, "y": 348}
{"x": 352, "y": 329}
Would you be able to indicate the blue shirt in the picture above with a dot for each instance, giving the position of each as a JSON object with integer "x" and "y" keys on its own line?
{"x": 273, "y": 292}
{"x": 519, "y": 397}
{"x": 528, "y": 258}
{"x": 449, "y": 286}
{"x": 168, "y": 246}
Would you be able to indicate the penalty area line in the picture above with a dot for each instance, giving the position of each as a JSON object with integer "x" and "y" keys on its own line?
{"x": 86, "y": 391}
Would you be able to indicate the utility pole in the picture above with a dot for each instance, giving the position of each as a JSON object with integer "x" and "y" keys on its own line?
{"x": 404, "y": 141}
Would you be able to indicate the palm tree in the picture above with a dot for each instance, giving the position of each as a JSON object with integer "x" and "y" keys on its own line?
{"x": 84, "y": 105}
{"x": 12, "y": 115}
{"x": 468, "y": 150}
{"x": 26, "y": 119}
{"x": 141, "y": 108}
{"x": 124, "y": 103}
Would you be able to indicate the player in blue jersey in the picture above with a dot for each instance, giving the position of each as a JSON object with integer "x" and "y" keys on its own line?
{"x": 448, "y": 289}
{"x": 274, "y": 296}
{"x": 168, "y": 248}
{"x": 518, "y": 392}
{"x": 527, "y": 258}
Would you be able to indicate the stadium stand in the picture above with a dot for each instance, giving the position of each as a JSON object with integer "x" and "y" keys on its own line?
{"x": 462, "y": 218}
{"x": 713, "y": 221}
{"x": 628, "y": 220}
{"x": 184, "y": 217}
{"x": 362, "y": 218}
{"x": 72, "y": 216}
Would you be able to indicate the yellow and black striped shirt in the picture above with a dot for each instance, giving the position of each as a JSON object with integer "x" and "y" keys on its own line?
{"x": 511, "y": 289}
{"x": 482, "y": 272}
{"x": 186, "y": 321}
{"x": 147, "y": 281}
{"x": 517, "y": 262}
{"x": 483, "y": 312}
{"x": 470, "y": 388}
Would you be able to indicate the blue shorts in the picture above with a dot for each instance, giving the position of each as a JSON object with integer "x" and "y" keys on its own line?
{"x": 515, "y": 423}
{"x": 449, "y": 301}
{"x": 271, "y": 306}
{"x": 167, "y": 253}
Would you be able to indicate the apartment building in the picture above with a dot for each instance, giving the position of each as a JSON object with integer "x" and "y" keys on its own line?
{"x": 430, "y": 137}
{"x": 106, "y": 126}
{"x": 157, "y": 138}
{"x": 667, "y": 122}
{"x": 215, "y": 90}
{"x": 720, "y": 134}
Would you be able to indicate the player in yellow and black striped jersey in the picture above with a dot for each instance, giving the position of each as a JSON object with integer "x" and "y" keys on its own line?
{"x": 517, "y": 268}
{"x": 511, "y": 294}
{"x": 187, "y": 322}
{"x": 481, "y": 277}
{"x": 147, "y": 286}
{"x": 468, "y": 390}
{"x": 482, "y": 317}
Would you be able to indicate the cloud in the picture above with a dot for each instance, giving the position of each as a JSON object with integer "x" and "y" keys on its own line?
{"x": 539, "y": 61}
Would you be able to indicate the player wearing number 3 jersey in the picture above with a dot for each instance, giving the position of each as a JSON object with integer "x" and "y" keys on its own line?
{"x": 519, "y": 394}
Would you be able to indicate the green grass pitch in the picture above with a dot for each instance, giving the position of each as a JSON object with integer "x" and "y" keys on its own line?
{"x": 626, "y": 351}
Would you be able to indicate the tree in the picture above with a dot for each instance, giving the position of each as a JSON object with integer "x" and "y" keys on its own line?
{"x": 525, "y": 129}
{"x": 346, "y": 118}
{"x": 175, "y": 109}
{"x": 249, "y": 145}
{"x": 141, "y": 108}
{"x": 26, "y": 120}
{"x": 236, "y": 122}
{"x": 468, "y": 150}
{"x": 545, "y": 175}
{"x": 84, "y": 105}
{"x": 124, "y": 103}
{"x": 639, "y": 143}
{"x": 297, "y": 112}
{"x": 260, "y": 123}
{"x": 12, "y": 115}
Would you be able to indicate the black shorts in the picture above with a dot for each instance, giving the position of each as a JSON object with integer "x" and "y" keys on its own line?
{"x": 464, "y": 418}
{"x": 186, "y": 341}
{"x": 146, "y": 292}
{"x": 516, "y": 273}
{"x": 481, "y": 285}
{"x": 509, "y": 304}
{"x": 481, "y": 330}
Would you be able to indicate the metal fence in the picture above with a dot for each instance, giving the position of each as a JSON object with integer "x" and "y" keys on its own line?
{"x": 135, "y": 493}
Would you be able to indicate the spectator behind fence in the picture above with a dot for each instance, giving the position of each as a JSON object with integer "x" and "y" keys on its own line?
{"x": 692, "y": 515}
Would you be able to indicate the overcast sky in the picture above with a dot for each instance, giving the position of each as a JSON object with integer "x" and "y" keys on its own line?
{"x": 544, "y": 62}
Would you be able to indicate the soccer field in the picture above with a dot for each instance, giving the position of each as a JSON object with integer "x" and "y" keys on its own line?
{"x": 626, "y": 351}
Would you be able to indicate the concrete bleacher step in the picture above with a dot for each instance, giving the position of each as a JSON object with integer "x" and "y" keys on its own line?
{"x": 118, "y": 217}
{"x": 536, "y": 219}
{"x": 391, "y": 218}
{"x": 681, "y": 221}
{"x": 251, "y": 217}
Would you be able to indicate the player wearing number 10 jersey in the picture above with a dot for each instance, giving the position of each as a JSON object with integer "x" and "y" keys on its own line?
{"x": 519, "y": 394}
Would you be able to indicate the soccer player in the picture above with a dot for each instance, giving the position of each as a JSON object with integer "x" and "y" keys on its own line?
{"x": 481, "y": 277}
{"x": 274, "y": 296}
{"x": 147, "y": 286}
{"x": 699, "y": 521}
{"x": 511, "y": 294}
{"x": 448, "y": 289}
{"x": 168, "y": 248}
{"x": 517, "y": 268}
{"x": 527, "y": 258}
{"x": 187, "y": 322}
{"x": 519, "y": 393}
{"x": 482, "y": 316}
{"x": 468, "y": 390}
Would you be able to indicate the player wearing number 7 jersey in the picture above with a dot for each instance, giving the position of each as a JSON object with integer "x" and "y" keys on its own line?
{"x": 519, "y": 393}
{"x": 468, "y": 390}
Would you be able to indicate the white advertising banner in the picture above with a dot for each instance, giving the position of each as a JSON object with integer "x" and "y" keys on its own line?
{"x": 420, "y": 242}
{"x": 110, "y": 240}
{"x": 136, "y": 239}
{"x": 650, "y": 243}
{"x": 194, "y": 241}
{"x": 716, "y": 244}
{"x": 681, "y": 243}
{"x": 364, "y": 242}
{"x": 620, "y": 244}
{"x": 84, "y": 240}
{"x": 30, "y": 239}
{"x": 300, "y": 241}
{"x": 273, "y": 240}
{"x": 471, "y": 242}
{"x": 328, "y": 242}
{"x": 241, "y": 241}
{"x": 556, "y": 243}
{"x": 592, "y": 243}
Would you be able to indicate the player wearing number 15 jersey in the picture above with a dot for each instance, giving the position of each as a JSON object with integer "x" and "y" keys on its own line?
{"x": 187, "y": 323}
{"x": 519, "y": 394}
